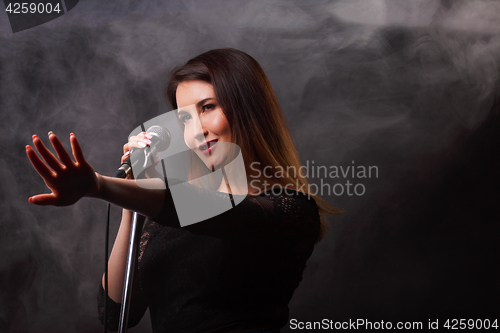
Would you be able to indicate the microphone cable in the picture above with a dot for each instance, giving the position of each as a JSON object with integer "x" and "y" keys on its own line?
{"x": 106, "y": 250}
{"x": 106, "y": 257}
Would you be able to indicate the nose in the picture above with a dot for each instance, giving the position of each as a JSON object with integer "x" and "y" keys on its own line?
{"x": 200, "y": 136}
{"x": 200, "y": 132}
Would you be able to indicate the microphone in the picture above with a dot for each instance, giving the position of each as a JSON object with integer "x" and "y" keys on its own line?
{"x": 160, "y": 141}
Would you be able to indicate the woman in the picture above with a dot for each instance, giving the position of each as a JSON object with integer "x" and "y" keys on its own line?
{"x": 234, "y": 272}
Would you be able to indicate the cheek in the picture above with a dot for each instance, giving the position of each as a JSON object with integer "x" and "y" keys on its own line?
{"x": 188, "y": 138}
{"x": 220, "y": 125}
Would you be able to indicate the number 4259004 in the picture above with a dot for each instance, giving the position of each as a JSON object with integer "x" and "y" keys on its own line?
{"x": 27, "y": 7}
{"x": 461, "y": 324}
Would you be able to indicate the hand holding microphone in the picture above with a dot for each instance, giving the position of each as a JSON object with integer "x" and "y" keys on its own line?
{"x": 135, "y": 143}
{"x": 140, "y": 151}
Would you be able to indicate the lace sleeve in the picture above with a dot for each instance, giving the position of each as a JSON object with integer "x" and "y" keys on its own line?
{"x": 298, "y": 220}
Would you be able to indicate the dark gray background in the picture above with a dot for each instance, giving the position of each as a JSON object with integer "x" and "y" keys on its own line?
{"x": 408, "y": 86}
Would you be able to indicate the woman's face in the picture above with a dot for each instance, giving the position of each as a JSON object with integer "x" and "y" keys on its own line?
{"x": 206, "y": 127}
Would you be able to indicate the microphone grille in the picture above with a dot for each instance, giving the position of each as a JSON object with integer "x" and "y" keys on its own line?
{"x": 162, "y": 135}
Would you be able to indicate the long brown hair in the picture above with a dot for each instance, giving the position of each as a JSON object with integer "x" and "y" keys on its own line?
{"x": 257, "y": 123}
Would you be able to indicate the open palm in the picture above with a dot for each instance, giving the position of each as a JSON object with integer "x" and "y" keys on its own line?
{"x": 68, "y": 180}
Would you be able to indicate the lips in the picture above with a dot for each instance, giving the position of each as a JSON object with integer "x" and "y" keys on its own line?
{"x": 208, "y": 146}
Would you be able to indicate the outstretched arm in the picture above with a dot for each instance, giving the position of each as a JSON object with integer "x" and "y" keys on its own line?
{"x": 70, "y": 180}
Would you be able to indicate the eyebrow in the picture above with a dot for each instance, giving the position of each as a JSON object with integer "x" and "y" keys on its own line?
{"x": 200, "y": 103}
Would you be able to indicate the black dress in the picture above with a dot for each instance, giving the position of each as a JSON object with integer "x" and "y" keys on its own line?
{"x": 235, "y": 272}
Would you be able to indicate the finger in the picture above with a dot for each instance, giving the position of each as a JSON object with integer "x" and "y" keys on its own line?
{"x": 141, "y": 144}
{"x": 77, "y": 150}
{"x": 140, "y": 140}
{"x": 46, "y": 154}
{"x": 43, "y": 199}
{"x": 125, "y": 156}
{"x": 40, "y": 167}
{"x": 126, "y": 148}
{"x": 60, "y": 150}
{"x": 137, "y": 137}
{"x": 136, "y": 144}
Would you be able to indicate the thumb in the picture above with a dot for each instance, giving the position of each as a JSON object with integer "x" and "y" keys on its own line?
{"x": 43, "y": 199}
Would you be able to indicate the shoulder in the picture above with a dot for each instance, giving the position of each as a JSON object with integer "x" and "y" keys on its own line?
{"x": 290, "y": 212}
{"x": 288, "y": 202}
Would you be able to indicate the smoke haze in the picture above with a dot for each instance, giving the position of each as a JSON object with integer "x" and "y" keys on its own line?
{"x": 411, "y": 87}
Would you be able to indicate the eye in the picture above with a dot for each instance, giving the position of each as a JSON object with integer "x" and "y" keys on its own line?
{"x": 207, "y": 107}
{"x": 184, "y": 117}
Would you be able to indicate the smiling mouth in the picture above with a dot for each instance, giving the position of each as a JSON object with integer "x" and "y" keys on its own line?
{"x": 208, "y": 146}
